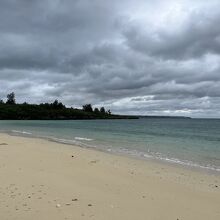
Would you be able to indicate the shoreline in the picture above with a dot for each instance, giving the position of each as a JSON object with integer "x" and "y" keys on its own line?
{"x": 47, "y": 180}
{"x": 139, "y": 156}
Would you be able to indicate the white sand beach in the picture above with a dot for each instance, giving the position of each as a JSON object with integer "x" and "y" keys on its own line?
{"x": 47, "y": 180}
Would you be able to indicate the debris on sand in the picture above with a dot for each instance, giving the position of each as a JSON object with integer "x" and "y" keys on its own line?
{"x": 58, "y": 205}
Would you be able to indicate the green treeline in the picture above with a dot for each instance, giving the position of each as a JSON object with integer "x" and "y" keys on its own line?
{"x": 10, "y": 110}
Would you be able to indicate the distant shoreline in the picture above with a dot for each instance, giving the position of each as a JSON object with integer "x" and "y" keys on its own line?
{"x": 160, "y": 116}
{"x": 55, "y": 111}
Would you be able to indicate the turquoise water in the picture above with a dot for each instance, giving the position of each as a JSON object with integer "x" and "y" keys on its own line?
{"x": 194, "y": 142}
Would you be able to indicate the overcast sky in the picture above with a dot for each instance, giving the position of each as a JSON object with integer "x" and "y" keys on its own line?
{"x": 133, "y": 56}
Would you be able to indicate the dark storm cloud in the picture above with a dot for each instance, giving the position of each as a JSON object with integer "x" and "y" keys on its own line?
{"x": 134, "y": 57}
{"x": 194, "y": 36}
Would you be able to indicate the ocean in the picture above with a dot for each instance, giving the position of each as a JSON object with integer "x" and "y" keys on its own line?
{"x": 190, "y": 142}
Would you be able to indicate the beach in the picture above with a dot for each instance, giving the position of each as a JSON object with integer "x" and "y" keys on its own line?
{"x": 42, "y": 179}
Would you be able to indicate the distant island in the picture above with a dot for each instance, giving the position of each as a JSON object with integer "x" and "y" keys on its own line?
{"x": 10, "y": 110}
{"x": 163, "y": 116}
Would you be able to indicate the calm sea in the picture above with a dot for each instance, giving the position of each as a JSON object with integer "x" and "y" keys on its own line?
{"x": 193, "y": 142}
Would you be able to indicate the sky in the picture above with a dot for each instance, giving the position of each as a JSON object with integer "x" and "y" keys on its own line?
{"x": 146, "y": 57}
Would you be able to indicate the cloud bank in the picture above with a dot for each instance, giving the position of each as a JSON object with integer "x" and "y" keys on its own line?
{"x": 135, "y": 57}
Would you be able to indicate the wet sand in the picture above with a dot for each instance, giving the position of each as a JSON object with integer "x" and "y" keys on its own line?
{"x": 46, "y": 180}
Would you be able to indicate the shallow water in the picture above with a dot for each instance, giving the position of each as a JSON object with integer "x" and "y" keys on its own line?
{"x": 194, "y": 142}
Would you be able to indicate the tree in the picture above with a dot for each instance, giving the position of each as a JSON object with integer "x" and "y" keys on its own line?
{"x": 61, "y": 105}
{"x": 102, "y": 110}
{"x": 1, "y": 101}
{"x": 10, "y": 99}
{"x": 96, "y": 110}
{"x": 109, "y": 112}
{"x": 57, "y": 105}
{"x": 87, "y": 108}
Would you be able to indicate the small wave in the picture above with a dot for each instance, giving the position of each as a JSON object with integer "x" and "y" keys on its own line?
{"x": 70, "y": 142}
{"x": 60, "y": 140}
{"x": 189, "y": 163}
{"x": 158, "y": 156}
{"x": 21, "y": 132}
{"x": 83, "y": 139}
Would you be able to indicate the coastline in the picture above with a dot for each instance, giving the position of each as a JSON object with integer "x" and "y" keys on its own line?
{"x": 41, "y": 179}
{"x": 123, "y": 152}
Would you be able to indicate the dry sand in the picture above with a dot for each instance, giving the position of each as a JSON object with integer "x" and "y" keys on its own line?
{"x": 45, "y": 180}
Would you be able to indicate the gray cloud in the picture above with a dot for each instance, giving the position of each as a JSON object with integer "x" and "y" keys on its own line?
{"x": 190, "y": 37}
{"x": 133, "y": 57}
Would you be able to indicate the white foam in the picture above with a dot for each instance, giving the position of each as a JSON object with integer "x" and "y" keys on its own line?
{"x": 83, "y": 139}
{"x": 189, "y": 163}
{"x": 69, "y": 141}
{"x": 61, "y": 140}
{"x": 21, "y": 132}
{"x": 158, "y": 156}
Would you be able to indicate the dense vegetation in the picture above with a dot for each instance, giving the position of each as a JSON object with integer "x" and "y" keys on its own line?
{"x": 52, "y": 111}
